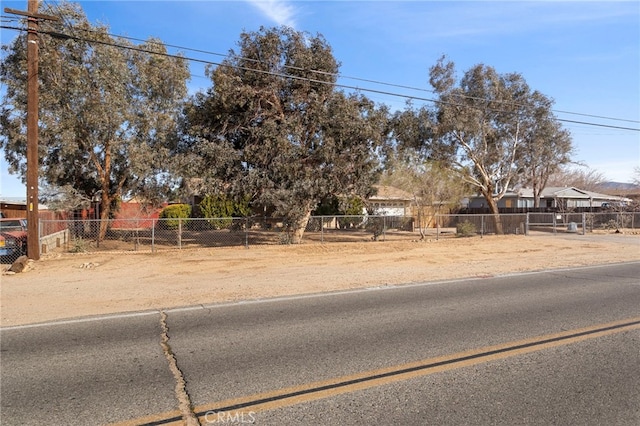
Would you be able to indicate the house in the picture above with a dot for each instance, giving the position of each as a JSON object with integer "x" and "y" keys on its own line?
{"x": 17, "y": 207}
{"x": 552, "y": 198}
{"x": 136, "y": 214}
{"x": 390, "y": 201}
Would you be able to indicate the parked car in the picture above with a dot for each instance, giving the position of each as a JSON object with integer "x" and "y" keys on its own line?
{"x": 13, "y": 238}
{"x": 615, "y": 205}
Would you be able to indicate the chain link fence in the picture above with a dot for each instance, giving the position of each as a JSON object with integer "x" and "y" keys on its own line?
{"x": 163, "y": 234}
{"x": 153, "y": 235}
{"x": 528, "y": 223}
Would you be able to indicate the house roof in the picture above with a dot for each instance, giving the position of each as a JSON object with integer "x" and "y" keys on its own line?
{"x": 385, "y": 193}
{"x": 7, "y": 202}
{"x": 561, "y": 192}
{"x": 565, "y": 192}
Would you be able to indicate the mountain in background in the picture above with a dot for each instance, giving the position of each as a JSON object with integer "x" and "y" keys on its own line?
{"x": 620, "y": 189}
{"x": 618, "y": 186}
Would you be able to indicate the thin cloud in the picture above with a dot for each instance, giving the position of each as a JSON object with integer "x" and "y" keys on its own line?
{"x": 279, "y": 11}
{"x": 464, "y": 20}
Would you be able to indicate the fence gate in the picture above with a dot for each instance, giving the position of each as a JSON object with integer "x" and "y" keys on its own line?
{"x": 554, "y": 222}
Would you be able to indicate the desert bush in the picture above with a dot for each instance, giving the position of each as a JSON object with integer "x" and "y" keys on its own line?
{"x": 175, "y": 213}
{"x": 466, "y": 229}
{"x": 218, "y": 210}
{"x": 79, "y": 245}
{"x": 353, "y": 206}
{"x": 611, "y": 224}
{"x": 375, "y": 225}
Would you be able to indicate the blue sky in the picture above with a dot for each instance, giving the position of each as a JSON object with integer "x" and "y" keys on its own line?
{"x": 585, "y": 55}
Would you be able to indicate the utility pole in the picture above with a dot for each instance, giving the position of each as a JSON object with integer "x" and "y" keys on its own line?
{"x": 33, "y": 221}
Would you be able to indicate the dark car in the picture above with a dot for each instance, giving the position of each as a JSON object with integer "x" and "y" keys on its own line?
{"x": 13, "y": 238}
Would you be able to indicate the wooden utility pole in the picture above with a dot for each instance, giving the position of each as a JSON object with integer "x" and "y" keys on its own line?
{"x": 33, "y": 221}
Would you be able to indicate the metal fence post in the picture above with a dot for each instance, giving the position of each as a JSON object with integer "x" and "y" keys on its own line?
{"x": 584, "y": 223}
{"x": 179, "y": 232}
{"x": 481, "y": 226}
{"x": 153, "y": 236}
{"x": 246, "y": 232}
{"x": 322, "y": 229}
{"x": 39, "y": 238}
{"x": 526, "y": 225}
{"x": 437, "y": 227}
{"x": 384, "y": 228}
{"x": 619, "y": 220}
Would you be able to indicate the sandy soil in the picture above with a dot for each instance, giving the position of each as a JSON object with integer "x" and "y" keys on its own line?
{"x": 69, "y": 286}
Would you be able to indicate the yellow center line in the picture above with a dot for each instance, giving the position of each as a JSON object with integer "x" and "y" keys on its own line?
{"x": 249, "y": 405}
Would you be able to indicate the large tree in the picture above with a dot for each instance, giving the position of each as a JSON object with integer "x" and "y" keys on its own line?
{"x": 484, "y": 121}
{"x": 107, "y": 108}
{"x": 547, "y": 145}
{"x": 578, "y": 176}
{"x": 274, "y": 128}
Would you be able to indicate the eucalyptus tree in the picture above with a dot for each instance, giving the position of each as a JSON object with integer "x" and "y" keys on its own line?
{"x": 547, "y": 145}
{"x": 274, "y": 129}
{"x": 491, "y": 127}
{"x": 108, "y": 108}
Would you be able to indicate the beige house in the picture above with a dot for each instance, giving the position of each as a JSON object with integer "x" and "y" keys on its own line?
{"x": 391, "y": 201}
{"x": 557, "y": 198}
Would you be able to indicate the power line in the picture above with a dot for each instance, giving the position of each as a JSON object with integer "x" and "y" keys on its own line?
{"x": 337, "y": 75}
{"x": 599, "y": 125}
{"x": 382, "y": 83}
{"x": 344, "y": 86}
{"x": 208, "y": 52}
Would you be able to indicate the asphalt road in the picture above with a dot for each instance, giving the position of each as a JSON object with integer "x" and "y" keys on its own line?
{"x": 556, "y": 347}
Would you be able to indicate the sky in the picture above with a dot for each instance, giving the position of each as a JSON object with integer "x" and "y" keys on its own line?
{"x": 583, "y": 54}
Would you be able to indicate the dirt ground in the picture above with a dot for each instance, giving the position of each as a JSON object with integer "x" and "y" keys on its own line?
{"x": 75, "y": 285}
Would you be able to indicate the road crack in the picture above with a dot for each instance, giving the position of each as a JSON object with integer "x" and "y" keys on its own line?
{"x": 184, "y": 401}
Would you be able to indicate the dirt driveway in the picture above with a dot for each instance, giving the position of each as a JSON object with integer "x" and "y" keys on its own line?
{"x": 75, "y": 285}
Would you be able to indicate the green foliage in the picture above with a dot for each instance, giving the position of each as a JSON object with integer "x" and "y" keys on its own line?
{"x": 175, "y": 213}
{"x": 287, "y": 143}
{"x": 107, "y": 114}
{"x": 466, "y": 229}
{"x": 342, "y": 206}
{"x": 352, "y": 206}
{"x": 375, "y": 225}
{"x": 493, "y": 130}
{"x": 79, "y": 245}
{"x": 333, "y": 206}
{"x": 328, "y": 207}
{"x": 546, "y": 148}
{"x": 218, "y": 210}
{"x": 353, "y": 209}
